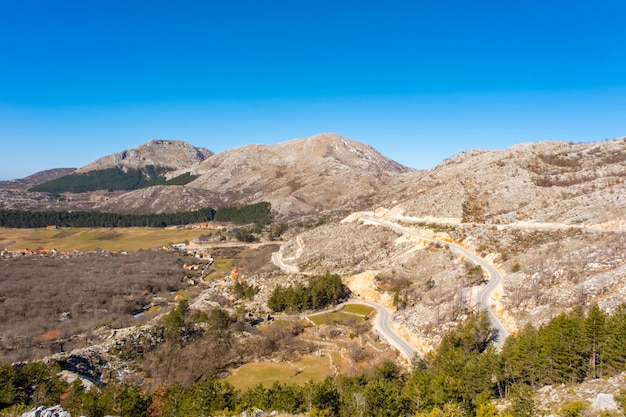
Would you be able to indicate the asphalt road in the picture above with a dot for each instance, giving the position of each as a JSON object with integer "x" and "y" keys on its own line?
{"x": 383, "y": 319}
{"x": 383, "y": 328}
{"x": 485, "y": 293}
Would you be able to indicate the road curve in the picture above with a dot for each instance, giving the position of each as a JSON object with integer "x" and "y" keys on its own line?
{"x": 383, "y": 318}
{"x": 277, "y": 259}
{"x": 383, "y": 328}
{"x": 485, "y": 293}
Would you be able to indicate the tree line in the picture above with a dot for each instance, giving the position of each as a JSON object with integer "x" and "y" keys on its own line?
{"x": 259, "y": 213}
{"x": 113, "y": 179}
{"x": 460, "y": 378}
{"x": 320, "y": 292}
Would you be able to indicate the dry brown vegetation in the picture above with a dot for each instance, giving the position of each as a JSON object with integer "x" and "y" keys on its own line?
{"x": 72, "y": 296}
{"x": 204, "y": 352}
{"x": 249, "y": 258}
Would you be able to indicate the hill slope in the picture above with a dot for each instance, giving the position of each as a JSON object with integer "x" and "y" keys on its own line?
{"x": 322, "y": 172}
{"x": 132, "y": 169}
{"x": 301, "y": 176}
{"x": 540, "y": 182}
{"x": 171, "y": 154}
{"x": 36, "y": 179}
{"x": 550, "y": 216}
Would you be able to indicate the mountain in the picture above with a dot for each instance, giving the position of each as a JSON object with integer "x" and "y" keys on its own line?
{"x": 132, "y": 169}
{"x": 544, "y": 182}
{"x": 36, "y": 179}
{"x": 170, "y": 154}
{"x": 550, "y": 216}
{"x": 549, "y": 182}
{"x": 309, "y": 175}
{"x": 302, "y": 176}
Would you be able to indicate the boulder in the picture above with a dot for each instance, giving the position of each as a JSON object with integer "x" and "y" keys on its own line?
{"x": 42, "y": 411}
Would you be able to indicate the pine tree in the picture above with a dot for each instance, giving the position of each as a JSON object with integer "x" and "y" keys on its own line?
{"x": 595, "y": 332}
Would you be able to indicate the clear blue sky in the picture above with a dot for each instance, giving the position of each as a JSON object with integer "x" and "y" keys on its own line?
{"x": 418, "y": 80}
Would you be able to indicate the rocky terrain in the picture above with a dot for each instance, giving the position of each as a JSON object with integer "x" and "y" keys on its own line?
{"x": 546, "y": 182}
{"x": 549, "y": 216}
{"x": 549, "y": 182}
{"x": 158, "y": 199}
{"x": 173, "y": 154}
{"x": 37, "y": 178}
{"x": 546, "y": 272}
{"x": 302, "y": 176}
{"x": 321, "y": 174}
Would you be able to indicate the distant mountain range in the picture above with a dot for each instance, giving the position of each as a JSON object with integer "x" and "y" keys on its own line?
{"x": 550, "y": 217}
{"x": 302, "y": 176}
{"x": 544, "y": 182}
{"x": 36, "y": 179}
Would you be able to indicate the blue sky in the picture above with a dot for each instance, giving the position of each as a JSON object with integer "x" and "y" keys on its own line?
{"x": 417, "y": 80}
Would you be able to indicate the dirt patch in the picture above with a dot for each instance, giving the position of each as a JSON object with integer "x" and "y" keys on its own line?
{"x": 257, "y": 259}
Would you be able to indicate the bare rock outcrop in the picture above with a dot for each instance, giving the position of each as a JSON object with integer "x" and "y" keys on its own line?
{"x": 42, "y": 411}
{"x": 540, "y": 182}
{"x": 172, "y": 154}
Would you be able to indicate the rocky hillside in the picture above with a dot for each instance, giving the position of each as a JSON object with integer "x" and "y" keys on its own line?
{"x": 172, "y": 154}
{"x": 553, "y": 182}
{"x": 310, "y": 175}
{"x": 159, "y": 199}
{"x": 35, "y": 179}
{"x": 550, "y": 216}
{"x": 546, "y": 182}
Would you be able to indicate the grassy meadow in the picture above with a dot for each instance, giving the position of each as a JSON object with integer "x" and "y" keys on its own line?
{"x": 358, "y": 309}
{"x": 348, "y": 316}
{"x": 308, "y": 368}
{"x": 85, "y": 239}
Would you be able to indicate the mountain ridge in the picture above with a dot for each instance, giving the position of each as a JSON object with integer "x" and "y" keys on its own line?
{"x": 543, "y": 182}
{"x": 550, "y": 217}
{"x": 324, "y": 172}
{"x": 549, "y": 182}
{"x": 166, "y": 153}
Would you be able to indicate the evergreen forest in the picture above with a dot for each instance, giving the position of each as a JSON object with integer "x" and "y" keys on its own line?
{"x": 320, "y": 292}
{"x": 461, "y": 378}
{"x": 257, "y": 213}
{"x": 112, "y": 179}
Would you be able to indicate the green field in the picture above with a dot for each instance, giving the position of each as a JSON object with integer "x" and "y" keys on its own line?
{"x": 333, "y": 318}
{"x": 347, "y": 317}
{"x": 266, "y": 373}
{"x": 85, "y": 239}
{"x": 360, "y": 309}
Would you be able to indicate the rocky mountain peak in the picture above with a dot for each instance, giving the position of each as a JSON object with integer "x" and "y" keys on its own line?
{"x": 344, "y": 151}
{"x": 167, "y": 153}
{"x": 301, "y": 175}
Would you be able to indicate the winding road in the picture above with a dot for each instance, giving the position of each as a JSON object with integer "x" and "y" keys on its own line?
{"x": 383, "y": 328}
{"x": 383, "y": 320}
{"x": 485, "y": 293}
